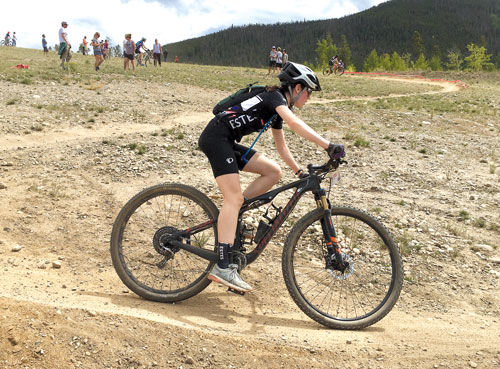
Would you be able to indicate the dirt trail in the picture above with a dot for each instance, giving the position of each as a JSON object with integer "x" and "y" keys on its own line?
{"x": 68, "y": 221}
{"x": 113, "y": 130}
{"x": 447, "y": 87}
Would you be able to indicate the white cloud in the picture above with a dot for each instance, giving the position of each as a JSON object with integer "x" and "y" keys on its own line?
{"x": 167, "y": 20}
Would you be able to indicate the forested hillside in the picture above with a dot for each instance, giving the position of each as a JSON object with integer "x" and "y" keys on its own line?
{"x": 388, "y": 27}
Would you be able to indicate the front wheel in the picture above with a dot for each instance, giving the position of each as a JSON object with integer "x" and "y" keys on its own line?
{"x": 339, "y": 71}
{"x": 141, "y": 255}
{"x": 359, "y": 296}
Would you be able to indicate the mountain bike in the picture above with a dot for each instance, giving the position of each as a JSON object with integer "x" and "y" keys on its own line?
{"x": 338, "y": 69}
{"x": 146, "y": 58}
{"x": 4, "y": 43}
{"x": 341, "y": 266}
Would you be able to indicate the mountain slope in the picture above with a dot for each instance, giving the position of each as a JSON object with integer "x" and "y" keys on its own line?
{"x": 450, "y": 24}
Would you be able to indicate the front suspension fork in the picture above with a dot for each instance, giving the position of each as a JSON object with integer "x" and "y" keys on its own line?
{"x": 332, "y": 244}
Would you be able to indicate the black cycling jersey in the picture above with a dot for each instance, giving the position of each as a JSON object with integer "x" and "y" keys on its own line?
{"x": 218, "y": 138}
{"x": 251, "y": 115}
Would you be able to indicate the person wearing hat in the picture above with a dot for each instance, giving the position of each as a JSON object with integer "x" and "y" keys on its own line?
{"x": 273, "y": 55}
{"x": 64, "y": 45}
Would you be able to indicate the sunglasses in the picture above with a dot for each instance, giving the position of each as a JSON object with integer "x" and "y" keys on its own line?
{"x": 309, "y": 91}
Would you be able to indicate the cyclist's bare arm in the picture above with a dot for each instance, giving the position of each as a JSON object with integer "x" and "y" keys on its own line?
{"x": 282, "y": 148}
{"x": 300, "y": 127}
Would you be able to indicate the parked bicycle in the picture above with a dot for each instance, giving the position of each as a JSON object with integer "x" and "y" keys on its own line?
{"x": 341, "y": 266}
{"x": 338, "y": 69}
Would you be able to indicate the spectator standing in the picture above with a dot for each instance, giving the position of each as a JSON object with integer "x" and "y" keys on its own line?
{"x": 64, "y": 44}
{"x": 176, "y": 60}
{"x": 285, "y": 57}
{"x": 14, "y": 39}
{"x": 165, "y": 54}
{"x": 44, "y": 45}
{"x": 157, "y": 52}
{"x": 85, "y": 46}
{"x": 279, "y": 60}
{"x": 128, "y": 52}
{"x": 272, "y": 60}
{"x": 97, "y": 45}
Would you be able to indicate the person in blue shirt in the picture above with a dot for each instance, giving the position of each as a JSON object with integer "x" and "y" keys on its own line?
{"x": 139, "y": 49}
{"x": 44, "y": 45}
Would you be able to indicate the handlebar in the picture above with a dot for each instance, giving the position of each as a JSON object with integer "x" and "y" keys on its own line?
{"x": 325, "y": 168}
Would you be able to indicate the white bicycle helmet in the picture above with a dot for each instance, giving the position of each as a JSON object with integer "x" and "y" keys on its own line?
{"x": 294, "y": 73}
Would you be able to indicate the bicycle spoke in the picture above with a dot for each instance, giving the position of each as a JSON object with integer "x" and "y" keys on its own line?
{"x": 363, "y": 289}
{"x": 170, "y": 212}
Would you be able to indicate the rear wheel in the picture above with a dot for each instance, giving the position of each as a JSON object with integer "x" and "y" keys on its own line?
{"x": 357, "y": 297}
{"x": 326, "y": 71}
{"x": 148, "y": 265}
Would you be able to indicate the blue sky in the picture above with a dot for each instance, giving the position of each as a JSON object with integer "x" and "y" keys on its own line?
{"x": 167, "y": 20}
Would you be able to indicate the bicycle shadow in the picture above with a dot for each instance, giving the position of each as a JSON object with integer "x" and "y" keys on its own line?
{"x": 210, "y": 309}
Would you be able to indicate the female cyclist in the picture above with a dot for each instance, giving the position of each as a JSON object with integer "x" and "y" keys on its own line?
{"x": 227, "y": 158}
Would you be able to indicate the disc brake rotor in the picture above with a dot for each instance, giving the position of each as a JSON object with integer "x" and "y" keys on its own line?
{"x": 338, "y": 274}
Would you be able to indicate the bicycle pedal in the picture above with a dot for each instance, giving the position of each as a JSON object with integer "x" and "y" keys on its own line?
{"x": 241, "y": 293}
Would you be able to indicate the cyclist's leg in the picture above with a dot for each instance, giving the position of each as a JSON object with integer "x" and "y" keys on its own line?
{"x": 270, "y": 174}
{"x": 229, "y": 185}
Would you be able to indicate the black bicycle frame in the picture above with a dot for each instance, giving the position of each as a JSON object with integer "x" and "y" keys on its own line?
{"x": 311, "y": 183}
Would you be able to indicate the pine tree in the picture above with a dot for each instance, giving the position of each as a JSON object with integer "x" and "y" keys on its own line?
{"x": 397, "y": 62}
{"x": 455, "y": 60}
{"x": 372, "y": 62}
{"x": 385, "y": 61}
{"x": 345, "y": 51}
{"x": 478, "y": 59}
{"x": 421, "y": 63}
{"x": 418, "y": 44}
{"x": 435, "y": 60}
{"x": 325, "y": 49}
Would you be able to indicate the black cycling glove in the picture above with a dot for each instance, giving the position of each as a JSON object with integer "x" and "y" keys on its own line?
{"x": 335, "y": 151}
{"x": 301, "y": 174}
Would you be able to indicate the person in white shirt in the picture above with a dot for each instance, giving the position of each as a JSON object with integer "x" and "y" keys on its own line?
{"x": 272, "y": 60}
{"x": 279, "y": 60}
{"x": 64, "y": 45}
{"x": 157, "y": 52}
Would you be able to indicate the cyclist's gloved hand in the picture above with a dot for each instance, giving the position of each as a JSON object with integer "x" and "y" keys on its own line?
{"x": 301, "y": 174}
{"x": 335, "y": 151}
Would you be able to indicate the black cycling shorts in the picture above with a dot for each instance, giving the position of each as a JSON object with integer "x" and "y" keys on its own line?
{"x": 225, "y": 155}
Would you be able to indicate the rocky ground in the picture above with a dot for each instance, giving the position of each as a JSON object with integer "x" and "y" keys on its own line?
{"x": 71, "y": 156}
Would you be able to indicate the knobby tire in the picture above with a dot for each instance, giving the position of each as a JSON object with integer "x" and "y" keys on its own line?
{"x": 154, "y": 211}
{"x": 361, "y": 299}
